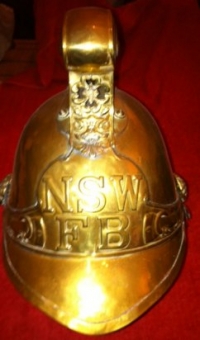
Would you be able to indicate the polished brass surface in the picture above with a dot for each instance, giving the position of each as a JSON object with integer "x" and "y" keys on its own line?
{"x": 94, "y": 217}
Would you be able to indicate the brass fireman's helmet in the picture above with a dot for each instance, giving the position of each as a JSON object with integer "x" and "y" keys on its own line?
{"x": 94, "y": 216}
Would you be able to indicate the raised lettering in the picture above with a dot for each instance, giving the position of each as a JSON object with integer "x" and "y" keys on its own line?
{"x": 126, "y": 191}
{"x": 56, "y": 196}
{"x": 93, "y": 200}
{"x": 114, "y": 232}
{"x": 69, "y": 231}
{"x": 157, "y": 225}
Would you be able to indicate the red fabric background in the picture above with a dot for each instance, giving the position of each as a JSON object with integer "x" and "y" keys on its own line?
{"x": 159, "y": 64}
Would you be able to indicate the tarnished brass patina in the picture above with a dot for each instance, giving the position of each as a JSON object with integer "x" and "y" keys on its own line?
{"x": 94, "y": 216}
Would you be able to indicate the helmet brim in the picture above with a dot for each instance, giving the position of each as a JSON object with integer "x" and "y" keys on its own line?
{"x": 96, "y": 295}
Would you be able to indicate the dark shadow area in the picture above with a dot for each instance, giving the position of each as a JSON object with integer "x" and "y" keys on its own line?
{"x": 24, "y": 18}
